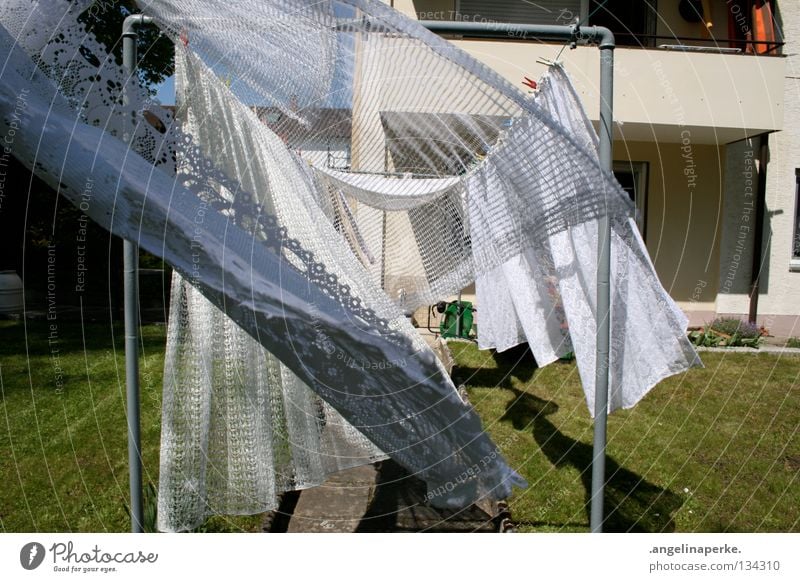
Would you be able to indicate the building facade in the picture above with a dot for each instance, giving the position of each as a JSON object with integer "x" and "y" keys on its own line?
{"x": 707, "y": 134}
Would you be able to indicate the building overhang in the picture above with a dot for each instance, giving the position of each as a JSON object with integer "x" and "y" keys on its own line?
{"x": 660, "y": 95}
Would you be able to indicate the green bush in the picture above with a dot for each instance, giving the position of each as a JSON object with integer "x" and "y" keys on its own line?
{"x": 727, "y": 332}
{"x": 793, "y": 342}
{"x": 705, "y": 338}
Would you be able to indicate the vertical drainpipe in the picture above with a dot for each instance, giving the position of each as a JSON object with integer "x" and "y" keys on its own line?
{"x": 131, "y": 294}
{"x": 603, "y": 355}
{"x": 758, "y": 234}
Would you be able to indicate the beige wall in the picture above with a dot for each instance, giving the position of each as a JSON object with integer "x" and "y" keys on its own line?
{"x": 723, "y": 98}
{"x": 779, "y": 297}
{"x": 720, "y": 99}
{"x": 780, "y": 294}
{"x": 683, "y": 221}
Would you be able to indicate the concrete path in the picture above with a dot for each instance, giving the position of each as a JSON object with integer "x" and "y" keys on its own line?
{"x": 762, "y": 349}
{"x": 384, "y": 499}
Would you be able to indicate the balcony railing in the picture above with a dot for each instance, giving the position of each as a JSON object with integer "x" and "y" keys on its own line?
{"x": 634, "y": 25}
{"x": 694, "y": 43}
{"x": 666, "y": 42}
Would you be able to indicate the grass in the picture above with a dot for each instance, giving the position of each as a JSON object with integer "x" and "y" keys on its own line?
{"x": 63, "y": 441}
{"x": 712, "y": 450}
{"x": 715, "y": 449}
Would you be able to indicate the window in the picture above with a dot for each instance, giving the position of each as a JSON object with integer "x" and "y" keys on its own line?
{"x": 632, "y": 176}
{"x": 519, "y": 11}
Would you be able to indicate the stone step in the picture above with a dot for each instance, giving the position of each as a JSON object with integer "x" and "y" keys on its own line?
{"x": 382, "y": 498}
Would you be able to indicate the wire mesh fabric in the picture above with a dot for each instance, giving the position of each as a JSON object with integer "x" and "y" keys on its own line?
{"x": 333, "y": 165}
{"x": 339, "y": 335}
{"x": 239, "y": 426}
{"x": 400, "y": 103}
{"x": 438, "y": 173}
{"x": 546, "y": 294}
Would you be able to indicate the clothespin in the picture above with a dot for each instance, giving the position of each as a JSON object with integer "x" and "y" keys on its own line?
{"x": 184, "y": 36}
{"x": 573, "y": 41}
{"x": 546, "y": 62}
{"x": 530, "y": 83}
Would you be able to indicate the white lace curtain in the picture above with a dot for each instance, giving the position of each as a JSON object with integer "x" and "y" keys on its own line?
{"x": 288, "y": 354}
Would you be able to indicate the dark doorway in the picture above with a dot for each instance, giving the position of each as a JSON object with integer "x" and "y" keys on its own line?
{"x": 633, "y": 22}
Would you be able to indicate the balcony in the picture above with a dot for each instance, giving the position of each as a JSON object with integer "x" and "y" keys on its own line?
{"x": 729, "y": 26}
{"x": 704, "y": 72}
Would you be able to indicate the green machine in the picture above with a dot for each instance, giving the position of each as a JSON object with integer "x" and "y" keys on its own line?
{"x": 457, "y": 318}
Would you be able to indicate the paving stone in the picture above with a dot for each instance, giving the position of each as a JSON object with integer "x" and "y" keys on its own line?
{"x": 380, "y": 499}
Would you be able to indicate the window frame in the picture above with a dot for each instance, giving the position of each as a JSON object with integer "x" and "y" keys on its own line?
{"x": 641, "y": 174}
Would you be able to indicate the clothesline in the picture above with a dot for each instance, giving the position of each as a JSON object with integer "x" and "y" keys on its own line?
{"x": 288, "y": 352}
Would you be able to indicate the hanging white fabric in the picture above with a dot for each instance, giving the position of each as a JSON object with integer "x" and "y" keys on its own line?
{"x": 546, "y": 295}
{"x": 388, "y": 193}
{"x": 334, "y": 330}
{"x": 317, "y": 266}
{"x": 221, "y": 381}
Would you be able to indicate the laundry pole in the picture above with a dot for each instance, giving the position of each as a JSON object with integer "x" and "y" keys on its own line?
{"x": 604, "y": 38}
{"x": 130, "y": 259}
{"x": 603, "y": 357}
{"x": 601, "y": 36}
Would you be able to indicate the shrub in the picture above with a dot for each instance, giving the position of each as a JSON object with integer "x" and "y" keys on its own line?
{"x": 727, "y": 332}
{"x": 793, "y": 342}
{"x": 705, "y": 338}
{"x": 732, "y": 325}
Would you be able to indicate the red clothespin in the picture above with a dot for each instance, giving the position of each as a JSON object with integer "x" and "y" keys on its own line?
{"x": 530, "y": 83}
{"x": 184, "y": 36}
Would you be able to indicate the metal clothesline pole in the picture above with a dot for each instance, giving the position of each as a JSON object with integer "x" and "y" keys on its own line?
{"x": 600, "y": 35}
{"x": 606, "y": 43}
{"x": 603, "y": 358}
{"x": 131, "y": 298}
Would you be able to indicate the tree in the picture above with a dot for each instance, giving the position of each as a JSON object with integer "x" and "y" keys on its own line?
{"x": 156, "y": 52}
{"x": 48, "y": 239}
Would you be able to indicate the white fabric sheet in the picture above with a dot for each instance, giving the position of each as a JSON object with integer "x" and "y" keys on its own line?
{"x": 316, "y": 270}
{"x": 310, "y": 318}
{"x": 389, "y": 193}
{"x": 547, "y": 295}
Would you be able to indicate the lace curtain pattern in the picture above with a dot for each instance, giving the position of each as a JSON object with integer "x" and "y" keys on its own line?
{"x": 332, "y": 165}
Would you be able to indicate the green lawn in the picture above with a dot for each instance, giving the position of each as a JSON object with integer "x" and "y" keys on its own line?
{"x": 727, "y": 433}
{"x": 63, "y": 440}
{"x": 712, "y": 450}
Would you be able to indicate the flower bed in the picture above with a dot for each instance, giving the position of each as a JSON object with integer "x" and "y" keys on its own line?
{"x": 727, "y": 332}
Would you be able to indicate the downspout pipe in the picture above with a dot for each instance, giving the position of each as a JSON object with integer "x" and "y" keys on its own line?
{"x": 758, "y": 230}
{"x": 131, "y": 23}
{"x": 130, "y": 257}
{"x": 606, "y": 42}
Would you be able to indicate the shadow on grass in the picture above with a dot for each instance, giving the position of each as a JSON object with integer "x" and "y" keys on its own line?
{"x": 631, "y": 503}
{"x": 517, "y": 362}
